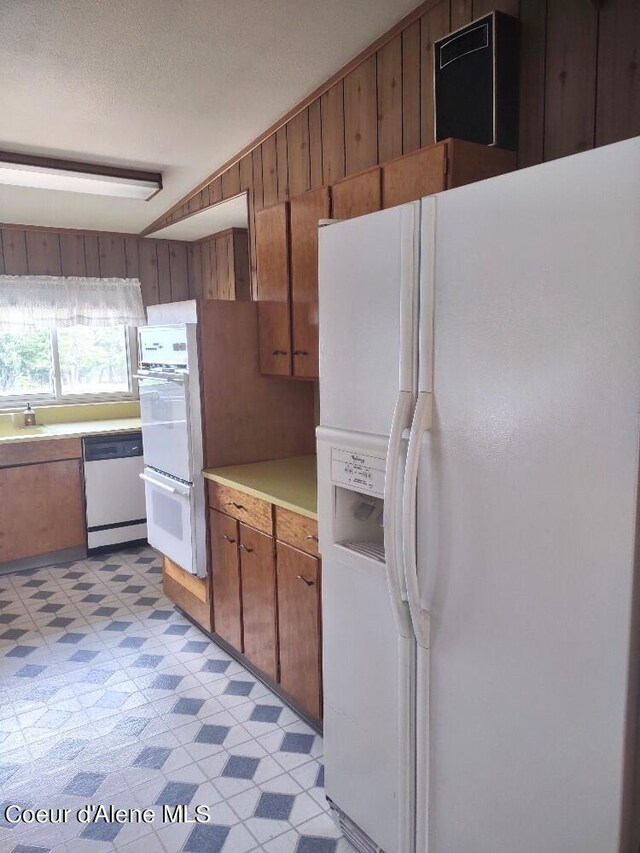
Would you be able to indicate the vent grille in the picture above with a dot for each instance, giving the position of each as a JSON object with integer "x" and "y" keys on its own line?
{"x": 367, "y": 549}
{"x": 353, "y": 833}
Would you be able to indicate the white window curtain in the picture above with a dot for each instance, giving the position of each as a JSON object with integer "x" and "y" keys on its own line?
{"x": 47, "y": 301}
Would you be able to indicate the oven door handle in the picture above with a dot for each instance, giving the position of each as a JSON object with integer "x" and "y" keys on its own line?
{"x": 171, "y": 489}
{"x": 167, "y": 377}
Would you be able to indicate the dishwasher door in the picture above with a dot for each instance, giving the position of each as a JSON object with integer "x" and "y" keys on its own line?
{"x": 115, "y": 500}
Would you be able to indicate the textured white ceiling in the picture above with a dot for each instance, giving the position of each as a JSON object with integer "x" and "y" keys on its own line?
{"x": 177, "y": 86}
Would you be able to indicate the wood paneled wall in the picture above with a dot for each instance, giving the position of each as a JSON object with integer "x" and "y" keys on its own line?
{"x": 219, "y": 266}
{"x": 161, "y": 265}
{"x": 579, "y": 87}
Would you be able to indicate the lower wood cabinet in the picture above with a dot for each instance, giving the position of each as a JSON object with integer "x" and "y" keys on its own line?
{"x": 265, "y": 592}
{"x": 257, "y": 572}
{"x": 225, "y": 578}
{"x": 299, "y": 626}
{"x": 42, "y": 508}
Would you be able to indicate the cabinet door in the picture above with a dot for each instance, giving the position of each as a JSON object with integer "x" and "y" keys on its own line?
{"x": 259, "y": 600}
{"x": 357, "y": 194}
{"x": 42, "y": 509}
{"x": 299, "y": 626}
{"x": 306, "y": 211}
{"x": 414, "y": 176}
{"x": 272, "y": 261}
{"x": 225, "y": 579}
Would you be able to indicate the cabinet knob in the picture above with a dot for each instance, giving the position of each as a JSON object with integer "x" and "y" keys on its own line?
{"x": 228, "y": 538}
{"x": 302, "y": 578}
{"x": 312, "y": 537}
{"x": 280, "y": 352}
{"x": 244, "y": 548}
{"x": 300, "y": 352}
{"x": 233, "y": 503}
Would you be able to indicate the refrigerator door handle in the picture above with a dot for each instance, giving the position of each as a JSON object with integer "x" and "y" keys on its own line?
{"x": 422, "y": 420}
{"x": 392, "y": 541}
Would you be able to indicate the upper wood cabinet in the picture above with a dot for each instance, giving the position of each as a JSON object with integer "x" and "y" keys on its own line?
{"x": 220, "y": 265}
{"x": 447, "y": 164}
{"x": 272, "y": 263}
{"x": 414, "y": 175}
{"x": 287, "y": 270}
{"x": 287, "y": 240}
{"x": 357, "y": 195}
{"x": 306, "y": 211}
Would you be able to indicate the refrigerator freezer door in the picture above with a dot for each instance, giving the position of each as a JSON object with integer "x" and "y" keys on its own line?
{"x": 367, "y": 665}
{"x": 527, "y": 506}
{"x": 368, "y": 270}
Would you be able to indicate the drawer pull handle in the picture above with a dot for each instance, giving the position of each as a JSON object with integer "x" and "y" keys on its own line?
{"x": 237, "y": 506}
{"x": 228, "y": 538}
{"x": 311, "y": 536}
{"x": 300, "y": 352}
{"x": 280, "y": 352}
{"x": 304, "y": 580}
{"x": 244, "y": 548}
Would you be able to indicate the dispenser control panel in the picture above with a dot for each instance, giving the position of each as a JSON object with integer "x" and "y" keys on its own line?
{"x": 358, "y": 471}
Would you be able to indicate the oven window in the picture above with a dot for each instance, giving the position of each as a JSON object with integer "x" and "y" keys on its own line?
{"x": 167, "y": 514}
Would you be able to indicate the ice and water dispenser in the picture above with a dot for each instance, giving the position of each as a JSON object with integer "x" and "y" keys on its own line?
{"x": 358, "y": 512}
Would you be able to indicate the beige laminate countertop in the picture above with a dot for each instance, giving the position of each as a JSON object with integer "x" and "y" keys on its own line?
{"x": 290, "y": 483}
{"x": 72, "y": 429}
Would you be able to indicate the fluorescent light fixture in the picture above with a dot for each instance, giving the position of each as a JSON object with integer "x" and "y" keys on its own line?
{"x": 43, "y": 173}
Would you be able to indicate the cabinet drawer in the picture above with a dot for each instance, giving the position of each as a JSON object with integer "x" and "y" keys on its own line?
{"x": 297, "y": 530}
{"x": 240, "y": 505}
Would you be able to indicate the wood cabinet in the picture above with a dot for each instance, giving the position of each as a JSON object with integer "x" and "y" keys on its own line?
{"x": 297, "y": 530}
{"x": 299, "y": 626}
{"x": 306, "y": 211}
{"x": 272, "y": 263}
{"x": 358, "y": 194}
{"x": 220, "y": 265}
{"x": 448, "y": 164}
{"x": 42, "y": 504}
{"x": 240, "y": 505}
{"x": 225, "y": 578}
{"x": 265, "y": 592}
{"x": 257, "y": 572}
{"x": 414, "y": 175}
{"x": 287, "y": 240}
{"x": 287, "y": 271}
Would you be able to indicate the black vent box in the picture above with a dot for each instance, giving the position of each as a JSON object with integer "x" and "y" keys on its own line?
{"x": 476, "y": 82}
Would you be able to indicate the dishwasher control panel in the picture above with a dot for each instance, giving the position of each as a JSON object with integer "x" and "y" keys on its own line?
{"x": 99, "y": 447}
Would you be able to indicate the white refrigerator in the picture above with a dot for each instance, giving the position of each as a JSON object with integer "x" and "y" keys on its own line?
{"x": 477, "y": 484}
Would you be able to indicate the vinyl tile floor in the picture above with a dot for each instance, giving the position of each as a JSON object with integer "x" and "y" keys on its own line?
{"x": 110, "y": 697}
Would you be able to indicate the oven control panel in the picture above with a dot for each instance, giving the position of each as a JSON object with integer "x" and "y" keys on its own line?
{"x": 163, "y": 346}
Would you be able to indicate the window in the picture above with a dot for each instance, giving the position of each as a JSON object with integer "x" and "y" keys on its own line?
{"x": 65, "y": 364}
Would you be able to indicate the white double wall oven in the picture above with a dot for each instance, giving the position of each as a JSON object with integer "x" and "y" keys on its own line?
{"x": 169, "y": 386}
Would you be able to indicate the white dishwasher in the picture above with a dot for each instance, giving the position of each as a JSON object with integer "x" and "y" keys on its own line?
{"x": 114, "y": 492}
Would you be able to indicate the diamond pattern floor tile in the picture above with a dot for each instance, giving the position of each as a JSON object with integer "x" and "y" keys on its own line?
{"x": 110, "y": 696}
